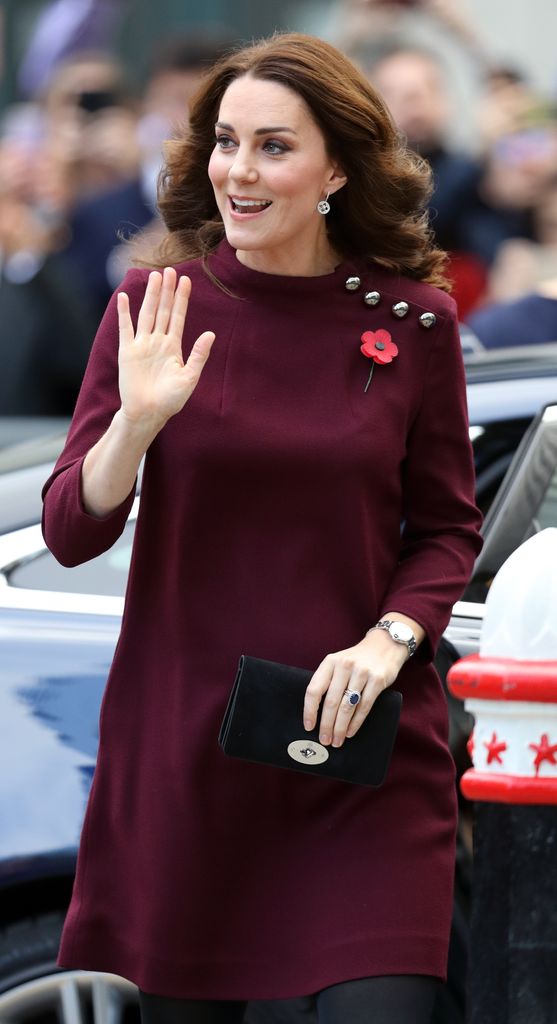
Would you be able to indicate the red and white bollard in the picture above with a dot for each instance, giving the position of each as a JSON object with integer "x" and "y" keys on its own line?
{"x": 513, "y": 747}
{"x": 510, "y": 688}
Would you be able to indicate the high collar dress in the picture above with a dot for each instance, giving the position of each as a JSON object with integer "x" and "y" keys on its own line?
{"x": 283, "y": 511}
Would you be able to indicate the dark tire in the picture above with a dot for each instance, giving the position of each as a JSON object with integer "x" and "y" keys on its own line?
{"x": 28, "y": 949}
{"x": 33, "y": 990}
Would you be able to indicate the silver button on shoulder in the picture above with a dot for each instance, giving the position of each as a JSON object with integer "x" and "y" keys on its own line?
{"x": 427, "y": 319}
{"x": 372, "y": 298}
{"x": 352, "y": 284}
{"x": 400, "y": 309}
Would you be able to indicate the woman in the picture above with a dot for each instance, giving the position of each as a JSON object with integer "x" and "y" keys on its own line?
{"x": 276, "y": 478}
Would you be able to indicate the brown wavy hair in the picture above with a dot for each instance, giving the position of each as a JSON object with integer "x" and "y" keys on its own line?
{"x": 380, "y": 213}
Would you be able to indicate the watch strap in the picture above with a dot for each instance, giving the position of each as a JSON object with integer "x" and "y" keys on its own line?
{"x": 386, "y": 624}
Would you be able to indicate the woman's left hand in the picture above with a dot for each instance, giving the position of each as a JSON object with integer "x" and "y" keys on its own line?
{"x": 368, "y": 667}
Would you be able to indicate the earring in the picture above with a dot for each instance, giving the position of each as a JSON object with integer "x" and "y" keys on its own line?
{"x": 323, "y": 206}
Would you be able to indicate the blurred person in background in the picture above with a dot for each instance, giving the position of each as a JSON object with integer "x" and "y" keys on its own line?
{"x": 78, "y": 138}
{"x": 518, "y": 130}
{"x": 63, "y": 28}
{"x": 46, "y": 320}
{"x": 518, "y": 136}
{"x": 96, "y": 248}
{"x": 523, "y": 299}
{"x": 359, "y": 20}
{"x": 522, "y": 264}
{"x": 90, "y": 123}
{"x": 481, "y": 205}
{"x": 414, "y": 84}
{"x": 506, "y": 96}
{"x": 529, "y": 320}
{"x": 77, "y": 166}
{"x": 481, "y": 201}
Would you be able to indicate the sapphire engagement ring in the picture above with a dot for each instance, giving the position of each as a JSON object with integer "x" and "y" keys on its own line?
{"x": 352, "y": 697}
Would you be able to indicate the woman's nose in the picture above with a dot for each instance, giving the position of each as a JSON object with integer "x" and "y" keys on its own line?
{"x": 242, "y": 167}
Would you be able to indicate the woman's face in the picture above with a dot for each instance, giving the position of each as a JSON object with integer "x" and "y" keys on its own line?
{"x": 269, "y": 169}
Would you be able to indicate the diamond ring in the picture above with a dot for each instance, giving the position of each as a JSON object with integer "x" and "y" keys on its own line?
{"x": 352, "y": 697}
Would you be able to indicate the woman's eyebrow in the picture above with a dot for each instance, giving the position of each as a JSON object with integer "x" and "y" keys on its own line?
{"x": 258, "y": 131}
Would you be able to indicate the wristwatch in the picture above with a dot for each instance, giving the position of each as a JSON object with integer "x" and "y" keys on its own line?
{"x": 400, "y": 632}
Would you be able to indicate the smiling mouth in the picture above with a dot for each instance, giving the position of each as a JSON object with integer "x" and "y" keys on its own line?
{"x": 249, "y": 205}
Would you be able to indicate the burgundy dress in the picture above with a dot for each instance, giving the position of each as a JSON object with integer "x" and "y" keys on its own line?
{"x": 269, "y": 524}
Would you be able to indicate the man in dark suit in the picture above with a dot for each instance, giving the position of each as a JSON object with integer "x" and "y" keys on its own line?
{"x": 101, "y": 224}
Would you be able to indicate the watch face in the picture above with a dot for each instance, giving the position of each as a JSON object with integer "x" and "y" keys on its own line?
{"x": 400, "y": 631}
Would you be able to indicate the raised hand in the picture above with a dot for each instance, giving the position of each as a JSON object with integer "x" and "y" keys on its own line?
{"x": 154, "y": 382}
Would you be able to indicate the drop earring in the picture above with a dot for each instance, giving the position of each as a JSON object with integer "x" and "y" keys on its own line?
{"x": 323, "y": 206}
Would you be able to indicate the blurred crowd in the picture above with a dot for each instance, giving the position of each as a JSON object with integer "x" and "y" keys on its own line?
{"x": 80, "y": 157}
{"x": 79, "y": 164}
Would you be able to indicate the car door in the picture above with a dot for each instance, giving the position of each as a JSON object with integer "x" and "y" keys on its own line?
{"x": 525, "y": 504}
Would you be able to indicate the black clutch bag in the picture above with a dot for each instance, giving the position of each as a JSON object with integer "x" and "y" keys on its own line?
{"x": 263, "y": 723}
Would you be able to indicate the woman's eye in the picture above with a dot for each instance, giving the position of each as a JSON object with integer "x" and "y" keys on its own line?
{"x": 274, "y": 148}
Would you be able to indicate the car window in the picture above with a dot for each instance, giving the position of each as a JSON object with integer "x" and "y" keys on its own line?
{"x": 494, "y": 445}
{"x": 106, "y": 574}
{"x": 525, "y": 503}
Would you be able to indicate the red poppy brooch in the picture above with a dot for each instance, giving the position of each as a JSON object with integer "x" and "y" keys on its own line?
{"x": 379, "y": 347}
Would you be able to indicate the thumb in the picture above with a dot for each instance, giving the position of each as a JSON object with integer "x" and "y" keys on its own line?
{"x": 198, "y": 356}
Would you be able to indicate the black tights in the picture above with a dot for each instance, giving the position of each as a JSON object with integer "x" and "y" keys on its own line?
{"x": 393, "y": 999}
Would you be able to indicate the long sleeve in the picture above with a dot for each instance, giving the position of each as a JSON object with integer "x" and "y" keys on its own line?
{"x": 440, "y": 539}
{"x": 70, "y": 532}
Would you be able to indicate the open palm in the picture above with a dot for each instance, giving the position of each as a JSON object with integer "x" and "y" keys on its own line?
{"x": 154, "y": 381}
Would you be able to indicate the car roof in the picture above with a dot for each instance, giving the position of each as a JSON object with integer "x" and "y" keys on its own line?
{"x": 30, "y": 441}
{"x": 497, "y": 401}
{"x": 20, "y": 496}
{"x": 29, "y": 447}
{"x": 514, "y": 363}
{"x": 510, "y": 383}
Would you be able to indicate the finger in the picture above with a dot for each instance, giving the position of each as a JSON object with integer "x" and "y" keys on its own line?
{"x": 317, "y": 686}
{"x": 198, "y": 357}
{"x": 148, "y": 311}
{"x": 370, "y": 694}
{"x": 345, "y": 713}
{"x": 125, "y": 325}
{"x": 166, "y": 299}
{"x": 180, "y": 308}
{"x": 341, "y": 675}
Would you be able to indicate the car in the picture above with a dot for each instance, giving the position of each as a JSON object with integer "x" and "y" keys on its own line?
{"x": 506, "y": 388}
{"x": 58, "y": 630}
